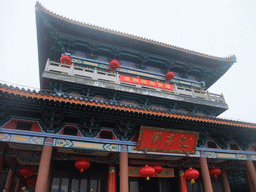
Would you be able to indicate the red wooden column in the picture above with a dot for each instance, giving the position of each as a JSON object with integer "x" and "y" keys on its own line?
{"x": 112, "y": 179}
{"x": 9, "y": 180}
{"x": 225, "y": 182}
{"x": 124, "y": 169}
{"x": 248, "y": 181}
{"x": 183, "y": 182}
{"x": 251, "y": 171}
{"x": 205, "y": 175}
{"x": 44, "y": 167}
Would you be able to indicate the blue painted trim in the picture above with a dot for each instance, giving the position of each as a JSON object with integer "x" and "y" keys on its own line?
{"x": 56, "y": 136}
{"x": 129, "y": 143}
{"x": 225, "y": 151}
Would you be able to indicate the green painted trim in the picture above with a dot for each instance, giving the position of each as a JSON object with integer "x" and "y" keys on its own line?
{"x": 65, "y": 143}
{"x": 231, "y": 156}
{"x": 87, "y": 145}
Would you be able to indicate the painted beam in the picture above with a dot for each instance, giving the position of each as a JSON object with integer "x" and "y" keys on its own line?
{"x": 63, "y": 141}
{"x": 21, "y": 139}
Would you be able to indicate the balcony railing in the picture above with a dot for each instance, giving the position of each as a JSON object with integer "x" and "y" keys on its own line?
{"x": 96, "y": 75}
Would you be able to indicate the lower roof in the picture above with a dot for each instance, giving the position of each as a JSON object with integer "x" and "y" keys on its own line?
{"x": 51, "y": 96}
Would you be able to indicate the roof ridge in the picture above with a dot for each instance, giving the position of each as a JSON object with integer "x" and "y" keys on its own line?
{"x": 229, "y": 58}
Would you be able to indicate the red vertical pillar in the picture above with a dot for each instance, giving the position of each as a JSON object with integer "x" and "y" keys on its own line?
{"x": 124, "y": 169}
{"x": 248, "y": 181}
{"x": 225, "y": 182}
{"x": 205, "y": 175}
{"x": 44, "y": 167}
{"x": 183, "y": 182}
{"x": 112, "y": 179}
{"x": 251, "y": 171}
{"x": 9, "y": 180}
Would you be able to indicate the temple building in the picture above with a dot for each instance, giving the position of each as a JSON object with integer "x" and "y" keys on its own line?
{"x": 115, "y": 110}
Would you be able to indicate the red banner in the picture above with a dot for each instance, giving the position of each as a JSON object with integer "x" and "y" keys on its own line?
{"x": 167, "y": 140}
{"x": 149, "y": 83}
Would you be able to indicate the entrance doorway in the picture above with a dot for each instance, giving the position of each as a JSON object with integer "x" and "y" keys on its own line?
{"x": 151, "y": 185}
{"x": 139, "y": 184}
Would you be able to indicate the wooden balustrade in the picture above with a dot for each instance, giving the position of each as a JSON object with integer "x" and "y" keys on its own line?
{"x": 96, "y": 75}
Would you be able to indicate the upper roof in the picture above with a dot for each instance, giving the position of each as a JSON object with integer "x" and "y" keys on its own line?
{"x": 48, "y": 22}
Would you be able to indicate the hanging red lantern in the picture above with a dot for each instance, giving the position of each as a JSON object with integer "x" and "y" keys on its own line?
{"x": 114, "y": 64}
{"x": 169, "y": 75}
{"x": 147, "y": 171}
{"x": 82, "y": 164}
{"x": 65, "y": 59}
{"x": 26, "y": 172}
{"x": 32, "y": 180}
{"x": 158, "y": 168}
{"x": 191, "y": 174}
{"x": 215, "y": 172}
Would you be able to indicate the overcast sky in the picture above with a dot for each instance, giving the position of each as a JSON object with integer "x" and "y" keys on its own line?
{"x": 218, "y": 28}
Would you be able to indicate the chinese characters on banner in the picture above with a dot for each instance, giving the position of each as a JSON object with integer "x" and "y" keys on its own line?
{"x": 149, "y": 83}
{"x": 167, "y": 140}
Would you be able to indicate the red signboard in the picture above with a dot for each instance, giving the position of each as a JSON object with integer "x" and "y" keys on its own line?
{"x": 149, "y": 83}
{"x": 167, "y": 140}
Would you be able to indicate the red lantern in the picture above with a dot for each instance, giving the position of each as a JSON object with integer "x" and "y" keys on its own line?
{"x": 65, "y": 59}
{"x": 82, "y": 164}
{"x": 114, "y": 64}
{"x": 26, "y": 172}
{"x": 191, "y": 174}
{"x": 147, "y": 172}
{"x": 169, "y": 75}
{"x": 215, "y": 172}
{"x": 158, "y": 168}
{"x": 32, "y": 180}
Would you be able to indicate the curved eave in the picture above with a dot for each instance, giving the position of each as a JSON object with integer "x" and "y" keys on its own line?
{"x": 122, "y": 36}
{"x": 78, "y": 101}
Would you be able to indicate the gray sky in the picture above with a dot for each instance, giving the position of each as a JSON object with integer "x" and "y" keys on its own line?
{"x": 218, "y": 27}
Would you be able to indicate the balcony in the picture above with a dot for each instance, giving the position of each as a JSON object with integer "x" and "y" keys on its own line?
{"x": 93, "y": 77}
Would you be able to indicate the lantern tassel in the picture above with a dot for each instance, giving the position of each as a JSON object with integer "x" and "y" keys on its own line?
{"x": 192, "y": 181}
{"x": 81, "y": 170}
{"x": 147, "y": 178}
{"x": 216, "y": 176}
{"x": 156, "y": 174}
